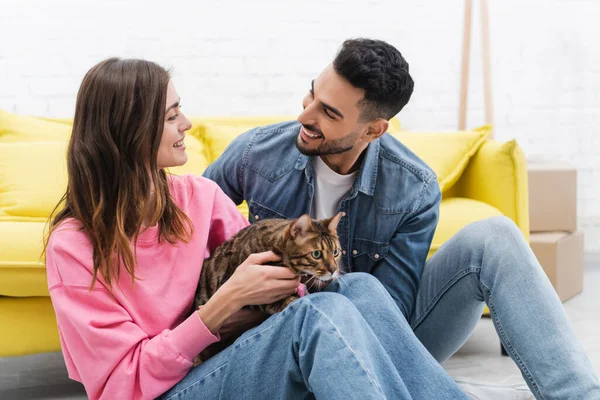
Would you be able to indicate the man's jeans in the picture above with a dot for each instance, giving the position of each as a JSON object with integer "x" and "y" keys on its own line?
{"x": 352, "y": 342}
{"x": 490, "y": 261}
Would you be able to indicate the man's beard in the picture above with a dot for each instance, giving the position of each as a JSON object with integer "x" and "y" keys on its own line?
{"x": 337, "y": 146}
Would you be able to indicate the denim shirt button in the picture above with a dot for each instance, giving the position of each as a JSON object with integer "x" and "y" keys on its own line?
{"x": 354, "y": 252}
{"x": 376, "y": 256}
{"x": 344, "y": 252}
{"x": 256, "y": 217}
{"x": 343, "y": 213}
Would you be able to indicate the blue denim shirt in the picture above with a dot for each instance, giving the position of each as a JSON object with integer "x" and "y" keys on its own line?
{"x": 391, "y": 210}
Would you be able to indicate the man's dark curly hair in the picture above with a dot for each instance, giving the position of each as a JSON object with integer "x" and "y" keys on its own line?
{"x": 380, "y": 70}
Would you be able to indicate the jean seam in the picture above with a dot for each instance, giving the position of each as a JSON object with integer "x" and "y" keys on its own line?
{"x": 349, "y": 347}
{"x": 508, "y": 346}
{"x": 195, "y": 383}
{"x": 533, "y": 382}
{"x": 459, "y": 275}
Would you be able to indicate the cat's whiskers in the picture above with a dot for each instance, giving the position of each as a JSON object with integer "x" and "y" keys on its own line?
{"x": 313, "y": 283}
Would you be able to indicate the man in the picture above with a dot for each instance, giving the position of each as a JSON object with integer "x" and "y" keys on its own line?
{"x": 338, "y": 157}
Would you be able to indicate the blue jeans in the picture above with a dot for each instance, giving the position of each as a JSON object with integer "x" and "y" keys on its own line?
{"x": 490, "y": 261}
{"x": 358, "y": 345}
{"x": 349, "y": 342}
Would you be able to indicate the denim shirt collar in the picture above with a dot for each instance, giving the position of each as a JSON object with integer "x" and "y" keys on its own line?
{"x": 367, "y": 176}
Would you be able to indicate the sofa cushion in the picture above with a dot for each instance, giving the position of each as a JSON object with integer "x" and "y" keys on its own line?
{"x": 456, "y": 213}
{"x": 22, "y": 270}
{"x": 19, "y": 128}
{"x": 33, "y": 177}
{"x": 497, "y": 175}
{"x": 447, "y": 153}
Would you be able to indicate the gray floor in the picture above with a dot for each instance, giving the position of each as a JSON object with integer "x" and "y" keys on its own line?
{"x": 477, "y": 367}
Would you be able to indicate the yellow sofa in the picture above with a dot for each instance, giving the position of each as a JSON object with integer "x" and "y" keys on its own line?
{"x": 480, "y": 178}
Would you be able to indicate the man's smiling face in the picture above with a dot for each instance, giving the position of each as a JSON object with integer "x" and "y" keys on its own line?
{"x": 331, "y": 117}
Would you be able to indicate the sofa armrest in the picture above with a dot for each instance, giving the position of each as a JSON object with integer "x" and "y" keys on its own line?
{"x": 497, "y": 175}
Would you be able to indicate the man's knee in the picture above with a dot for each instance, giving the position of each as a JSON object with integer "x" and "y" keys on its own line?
{"x": 500, "y": 225}
{"x": 490, "y": 230}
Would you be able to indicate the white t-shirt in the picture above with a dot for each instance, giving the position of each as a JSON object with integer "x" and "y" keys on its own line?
{"x": 330, "y": 188}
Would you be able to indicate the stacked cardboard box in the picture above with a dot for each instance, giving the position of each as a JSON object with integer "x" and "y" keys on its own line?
{"x": 554, "y": 238}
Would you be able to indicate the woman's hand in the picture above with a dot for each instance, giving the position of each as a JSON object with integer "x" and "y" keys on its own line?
{"x": 253, "y": 283}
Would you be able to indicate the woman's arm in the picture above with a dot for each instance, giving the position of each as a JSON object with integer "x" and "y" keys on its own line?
{"x": 218, "y": 309}
{"x": 112, "y": 355}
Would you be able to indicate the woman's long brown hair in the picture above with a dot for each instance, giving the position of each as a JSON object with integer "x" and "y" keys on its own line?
{"x": 112, "y": 164}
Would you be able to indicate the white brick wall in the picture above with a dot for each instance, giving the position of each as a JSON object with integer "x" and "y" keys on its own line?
{"x": 258, "y": 57}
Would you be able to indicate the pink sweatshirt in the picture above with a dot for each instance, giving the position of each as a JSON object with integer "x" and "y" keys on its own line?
{"x": 142, "y": 341}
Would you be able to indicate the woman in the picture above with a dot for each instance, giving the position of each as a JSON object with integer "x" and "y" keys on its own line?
{"x": 124, "y": 255}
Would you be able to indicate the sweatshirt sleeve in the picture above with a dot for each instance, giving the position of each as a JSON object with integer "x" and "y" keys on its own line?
{"x": 108, "y": 352}
{"x": 226, "y": 220}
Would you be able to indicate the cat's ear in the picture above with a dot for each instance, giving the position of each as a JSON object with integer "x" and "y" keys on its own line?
{"x": 300, "y": 226}
{"x": 333, "y": 223}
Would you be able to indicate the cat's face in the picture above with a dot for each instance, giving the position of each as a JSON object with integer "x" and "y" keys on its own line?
{"x": 314, "y": 250}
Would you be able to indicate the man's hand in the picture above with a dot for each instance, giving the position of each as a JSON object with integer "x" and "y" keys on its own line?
{"x": 240, "y": 322}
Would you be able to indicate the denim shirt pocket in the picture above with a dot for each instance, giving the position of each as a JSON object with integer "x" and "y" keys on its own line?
{"x": 366, "y": 253}
{"x": 258, "y": 212}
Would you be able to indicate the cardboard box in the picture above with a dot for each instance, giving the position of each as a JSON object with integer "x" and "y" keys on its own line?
{"x": 561, "y": 256}
{"x": 552, "y": 197}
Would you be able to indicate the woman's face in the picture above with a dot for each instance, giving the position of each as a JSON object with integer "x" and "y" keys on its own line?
{"x": 171, "y": 152}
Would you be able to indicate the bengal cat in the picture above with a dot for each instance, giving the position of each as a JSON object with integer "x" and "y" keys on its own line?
{"x": 310, "y": 248}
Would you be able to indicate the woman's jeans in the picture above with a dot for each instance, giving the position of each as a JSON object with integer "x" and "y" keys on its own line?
{"x": 352, "y": 342}
{"x": 349, "y": 342}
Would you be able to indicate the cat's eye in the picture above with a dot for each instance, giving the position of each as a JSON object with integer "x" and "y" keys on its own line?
{"x": 317, "y": 254}
{"x": 336, "y": 252}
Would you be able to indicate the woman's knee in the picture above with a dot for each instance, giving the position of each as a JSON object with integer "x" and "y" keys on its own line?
{"x": 360, "y": 283}
{"x": 328, "y": 300}
{"x": 328, "y": 303}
